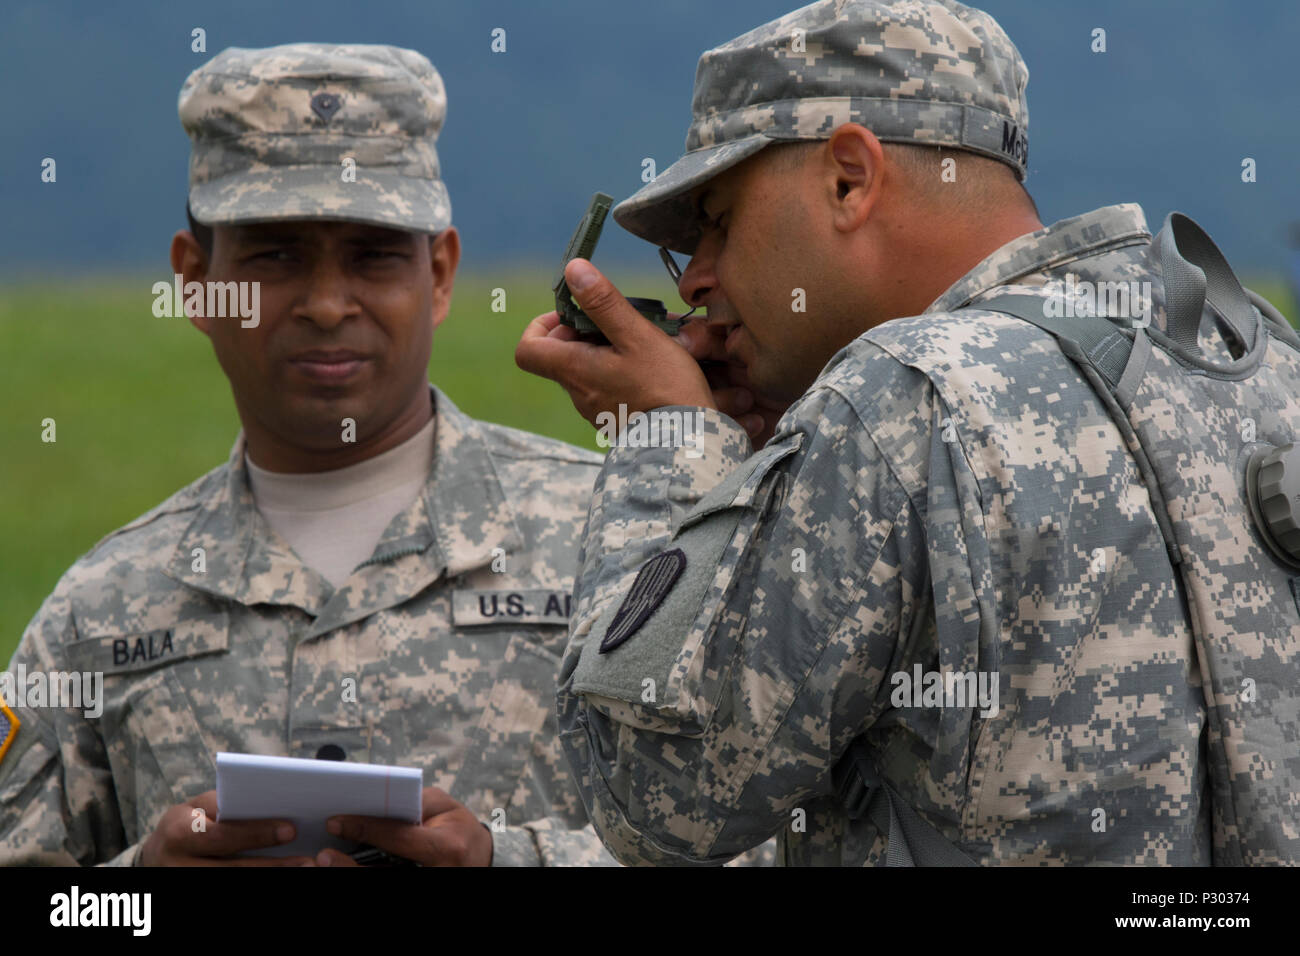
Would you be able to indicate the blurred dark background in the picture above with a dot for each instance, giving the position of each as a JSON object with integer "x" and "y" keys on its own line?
{"x": 588, "y": 88}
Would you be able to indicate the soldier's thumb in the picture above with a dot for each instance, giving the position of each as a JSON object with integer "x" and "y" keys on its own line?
{"x": 603, "y": 303}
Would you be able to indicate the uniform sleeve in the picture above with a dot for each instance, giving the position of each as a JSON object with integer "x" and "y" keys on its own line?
{"x": 549, "y": 842}
{"x": 699, "y": 717}
{"x": 57, "y": 802}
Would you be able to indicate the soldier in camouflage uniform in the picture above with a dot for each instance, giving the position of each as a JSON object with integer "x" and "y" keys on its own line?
{"x": 439, "y": 650}
{"x": 872, "y": 501}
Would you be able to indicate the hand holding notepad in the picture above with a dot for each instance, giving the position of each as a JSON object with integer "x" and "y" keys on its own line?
{"x": 309, "y": 792}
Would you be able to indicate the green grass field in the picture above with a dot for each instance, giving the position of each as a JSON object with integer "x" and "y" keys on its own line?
{"x": 142, "y": 408}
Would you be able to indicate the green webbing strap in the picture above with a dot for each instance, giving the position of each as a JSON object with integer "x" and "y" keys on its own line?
{"x": 1100, "y": 339}
{"x": 1195, "y": 274}
{"x": 1278, "y": 325}
{"x": 1114, "y": 366}
{"x": 912, "y": 841}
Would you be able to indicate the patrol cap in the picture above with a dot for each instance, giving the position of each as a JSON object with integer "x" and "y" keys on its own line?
{"x": 270, "y": 130}
{"x": 932, "y": 72}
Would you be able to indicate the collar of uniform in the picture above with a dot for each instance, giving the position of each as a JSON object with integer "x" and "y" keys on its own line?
{"x": 242, "y": 557}
{"x": 1110, "y": 227}
{"x": 452, "y": 527}
{"x": 471, "y": 515}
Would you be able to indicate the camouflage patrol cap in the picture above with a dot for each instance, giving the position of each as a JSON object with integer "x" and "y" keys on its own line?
{"x": 932, "y": 72}
{"x": 271, "y": 130}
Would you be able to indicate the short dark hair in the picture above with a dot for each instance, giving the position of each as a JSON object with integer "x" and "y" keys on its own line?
{"x": 923, "y": 164}
{"x": 201, "y": 232}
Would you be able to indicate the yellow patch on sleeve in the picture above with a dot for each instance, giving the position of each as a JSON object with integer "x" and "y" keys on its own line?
{"x": 9, "y": 724}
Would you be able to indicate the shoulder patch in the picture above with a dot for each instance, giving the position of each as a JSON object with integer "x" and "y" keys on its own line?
{"x": 9, "y": 724}
{"x": 653, "y": 582}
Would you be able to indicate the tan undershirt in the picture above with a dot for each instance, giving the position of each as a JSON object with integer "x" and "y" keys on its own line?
{"x": 334, "y": 519}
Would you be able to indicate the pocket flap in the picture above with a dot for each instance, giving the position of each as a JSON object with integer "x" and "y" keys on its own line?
{"x": 740, "y": 488}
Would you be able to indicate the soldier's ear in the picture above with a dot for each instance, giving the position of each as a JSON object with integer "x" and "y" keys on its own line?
{"x": 444, "y": 257}
{"x": 855, "y": 161}
{"x": 190, "y": 261}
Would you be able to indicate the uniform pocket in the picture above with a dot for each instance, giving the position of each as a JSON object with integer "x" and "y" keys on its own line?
{"x": 513, "y": 761}
{"x": 155, "y": 746}
{"x": 661, "y": 675}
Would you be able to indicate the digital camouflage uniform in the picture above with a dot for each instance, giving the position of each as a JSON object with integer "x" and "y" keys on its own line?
{"x": 272, "y": 131}
{"x": 858, "y": 543}
{"x": 921, "y": 72}
{"x": 950, "y": 494}
{"x": 451, "y": 631}
{"x": 454, "y": 662}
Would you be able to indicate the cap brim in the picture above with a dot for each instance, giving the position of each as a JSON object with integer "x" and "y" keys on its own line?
{"x": 378, "y": 197}
{"x": 663, "y": 211}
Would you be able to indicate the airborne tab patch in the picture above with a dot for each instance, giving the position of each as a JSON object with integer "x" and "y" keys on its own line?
{"x": 653, "y": 582}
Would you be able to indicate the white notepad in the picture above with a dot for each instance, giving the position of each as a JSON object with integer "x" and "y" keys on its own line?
{"x": 309, "y": 792}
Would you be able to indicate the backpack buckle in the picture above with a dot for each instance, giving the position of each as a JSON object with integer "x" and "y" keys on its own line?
{"x": 856, "y": 781}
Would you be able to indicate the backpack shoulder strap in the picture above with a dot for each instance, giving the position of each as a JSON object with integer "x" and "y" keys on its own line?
{"x": 1113, "y": 364}
{"x": 1103, "y": 342}
{"x": 1089, "y": 340}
